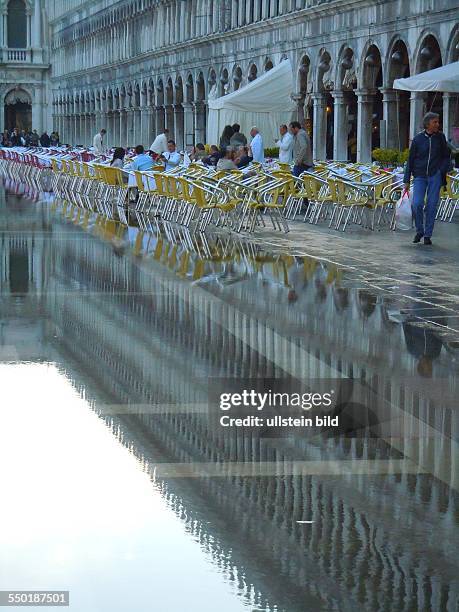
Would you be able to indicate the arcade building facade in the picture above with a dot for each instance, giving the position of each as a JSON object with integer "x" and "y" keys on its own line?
{"x": 138, "y": 66}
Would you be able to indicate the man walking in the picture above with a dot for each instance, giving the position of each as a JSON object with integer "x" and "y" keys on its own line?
{"x": 285, "y": 145}
{"x": 302, "y": 156}
{"x": 428, "y": 162}
{"x": 98, "y": 141}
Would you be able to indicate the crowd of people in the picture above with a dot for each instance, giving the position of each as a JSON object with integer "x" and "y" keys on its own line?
{"x": 29, "y": 138}
{"x": 233, "y": 151}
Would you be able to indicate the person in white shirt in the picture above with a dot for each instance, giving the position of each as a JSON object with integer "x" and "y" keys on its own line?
{"x": 98, "y": 141}
{"x": 285, "y": 145}
{"x": 159, "y": 145}
{"x": 171, "y": 156}
{"x": 257, "y": 146}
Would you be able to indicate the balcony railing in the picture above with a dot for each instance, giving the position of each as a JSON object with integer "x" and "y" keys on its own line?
{"x": 16, "y": 56}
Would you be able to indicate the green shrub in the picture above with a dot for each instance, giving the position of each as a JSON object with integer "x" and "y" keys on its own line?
{"x": 403, "y": 156}
{"x": 390, "y": 156}
{"x": 272, "y": 152}
{"x": 387, "y": 156}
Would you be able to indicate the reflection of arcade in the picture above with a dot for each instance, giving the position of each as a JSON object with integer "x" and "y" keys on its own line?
{"x": 157, "y": 328}
{"x": 181, "y": 332}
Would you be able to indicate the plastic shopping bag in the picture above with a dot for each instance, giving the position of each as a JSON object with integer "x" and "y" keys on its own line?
{"x": 404, "y": 213}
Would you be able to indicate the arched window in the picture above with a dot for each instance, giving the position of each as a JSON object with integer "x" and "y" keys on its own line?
{"x": 17, "y": 24}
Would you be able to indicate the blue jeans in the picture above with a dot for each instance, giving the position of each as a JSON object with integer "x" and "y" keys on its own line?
{"x": 297, "y": 170}
{"x": 431, "y": 186}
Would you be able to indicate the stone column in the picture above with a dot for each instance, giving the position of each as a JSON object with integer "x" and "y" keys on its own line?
{"x": 123, "y": 131}
{"x": 188, "y": 125}
{"x": 179, "y": 127}
{"x": 150, "y": 125}
{"x": 199, "y": 122}
{"x": 390, "y": 117}
{"x": 340, "y": 126}
{"x": 319, "y": 139}
{"x": 169, "y": 122}
{"x": 130, "y": 136}
{"x": 450, "y": 104}
{"x": 416, "y": 112}
{"x": 142, "y": 122}
{"x": 364, "y": 125}
{"x": 160, "y": 120}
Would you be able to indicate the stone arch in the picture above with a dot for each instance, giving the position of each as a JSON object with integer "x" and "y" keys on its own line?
{"x": 370, "y": 69}
{"x": 371, "y": 80}
{"x": 169, "y": 93}
{"x": 268, "y": 64}
{"x": 136, "y": 95}
{"x": 237, "y": 77}
{"x": 345, "y": 71}
{"x": 122, "y": 96}
{"x": 323, "y": 70}
{"x": 428, "y": 53}
{"x": 452, "y": 48}
{"x": 160, "y": 92}
{"x": 178, "y": 89}
{"x": 200, "y": 88}
{"x": 304, "y": 89}
{"x": 252, "y": 73}
{"x": 397, "y": 65}
{"x": 211, "y": 78}
{"x": 189, "y": 86}
{"x": 397, "y": 62}
{"x": 224, "y": 83}
{"x": 18, "y": 108}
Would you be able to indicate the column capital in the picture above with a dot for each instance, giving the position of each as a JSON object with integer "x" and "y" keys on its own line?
{"x": 338, "y": 96}
{"x": 389, "y": 94}
{"x": 318, "y": 95}
{"x": 364, "y": 96}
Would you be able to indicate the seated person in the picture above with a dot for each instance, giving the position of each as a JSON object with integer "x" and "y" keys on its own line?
{"x": 142, "y": 161}
{"x": 227, "y": 162}
{"x": 118, "y": 158}
{"x": 171, "y": 156}
{"x": 199, "y": 152}
{"x": 212, "y": 159}
{"x": 242, "y": 157}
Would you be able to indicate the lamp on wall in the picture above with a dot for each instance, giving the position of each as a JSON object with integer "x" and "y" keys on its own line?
{"x": 426, "y": 52}
{"x": 370, "y": 60}
{"x": 347, "y": 63}
{"x": 396, "y": 57}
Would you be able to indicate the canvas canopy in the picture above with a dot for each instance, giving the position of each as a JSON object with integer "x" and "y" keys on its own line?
{"x": 265, "y": 102}
{"x": 445, "y": 78}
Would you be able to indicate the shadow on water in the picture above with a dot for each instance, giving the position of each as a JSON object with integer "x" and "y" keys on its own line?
{"x": 160, "y": 312}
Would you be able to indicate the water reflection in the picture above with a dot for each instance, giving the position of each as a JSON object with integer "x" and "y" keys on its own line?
{"x": 138, "y": 319}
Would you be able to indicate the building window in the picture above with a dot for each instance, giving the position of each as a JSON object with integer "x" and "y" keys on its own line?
{"x": 17, "y": 24}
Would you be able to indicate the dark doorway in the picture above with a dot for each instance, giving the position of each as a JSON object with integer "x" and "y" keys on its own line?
{"x": 18, "y": 115}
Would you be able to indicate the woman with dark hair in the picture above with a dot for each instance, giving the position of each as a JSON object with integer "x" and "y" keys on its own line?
{"x": 118, "y": 157}
{"x": 226, "y": 136}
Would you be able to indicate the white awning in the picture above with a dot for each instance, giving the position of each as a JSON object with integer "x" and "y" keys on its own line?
{"x": 267, "y": 94}
{"x": 265, "y": 102}
{"x": 445, "y": 78}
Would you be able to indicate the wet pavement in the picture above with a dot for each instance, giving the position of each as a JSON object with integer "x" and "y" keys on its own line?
{"x": 124, "y": 489}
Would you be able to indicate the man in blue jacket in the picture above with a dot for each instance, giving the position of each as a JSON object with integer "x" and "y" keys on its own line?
{"x": 428, "y": 162}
